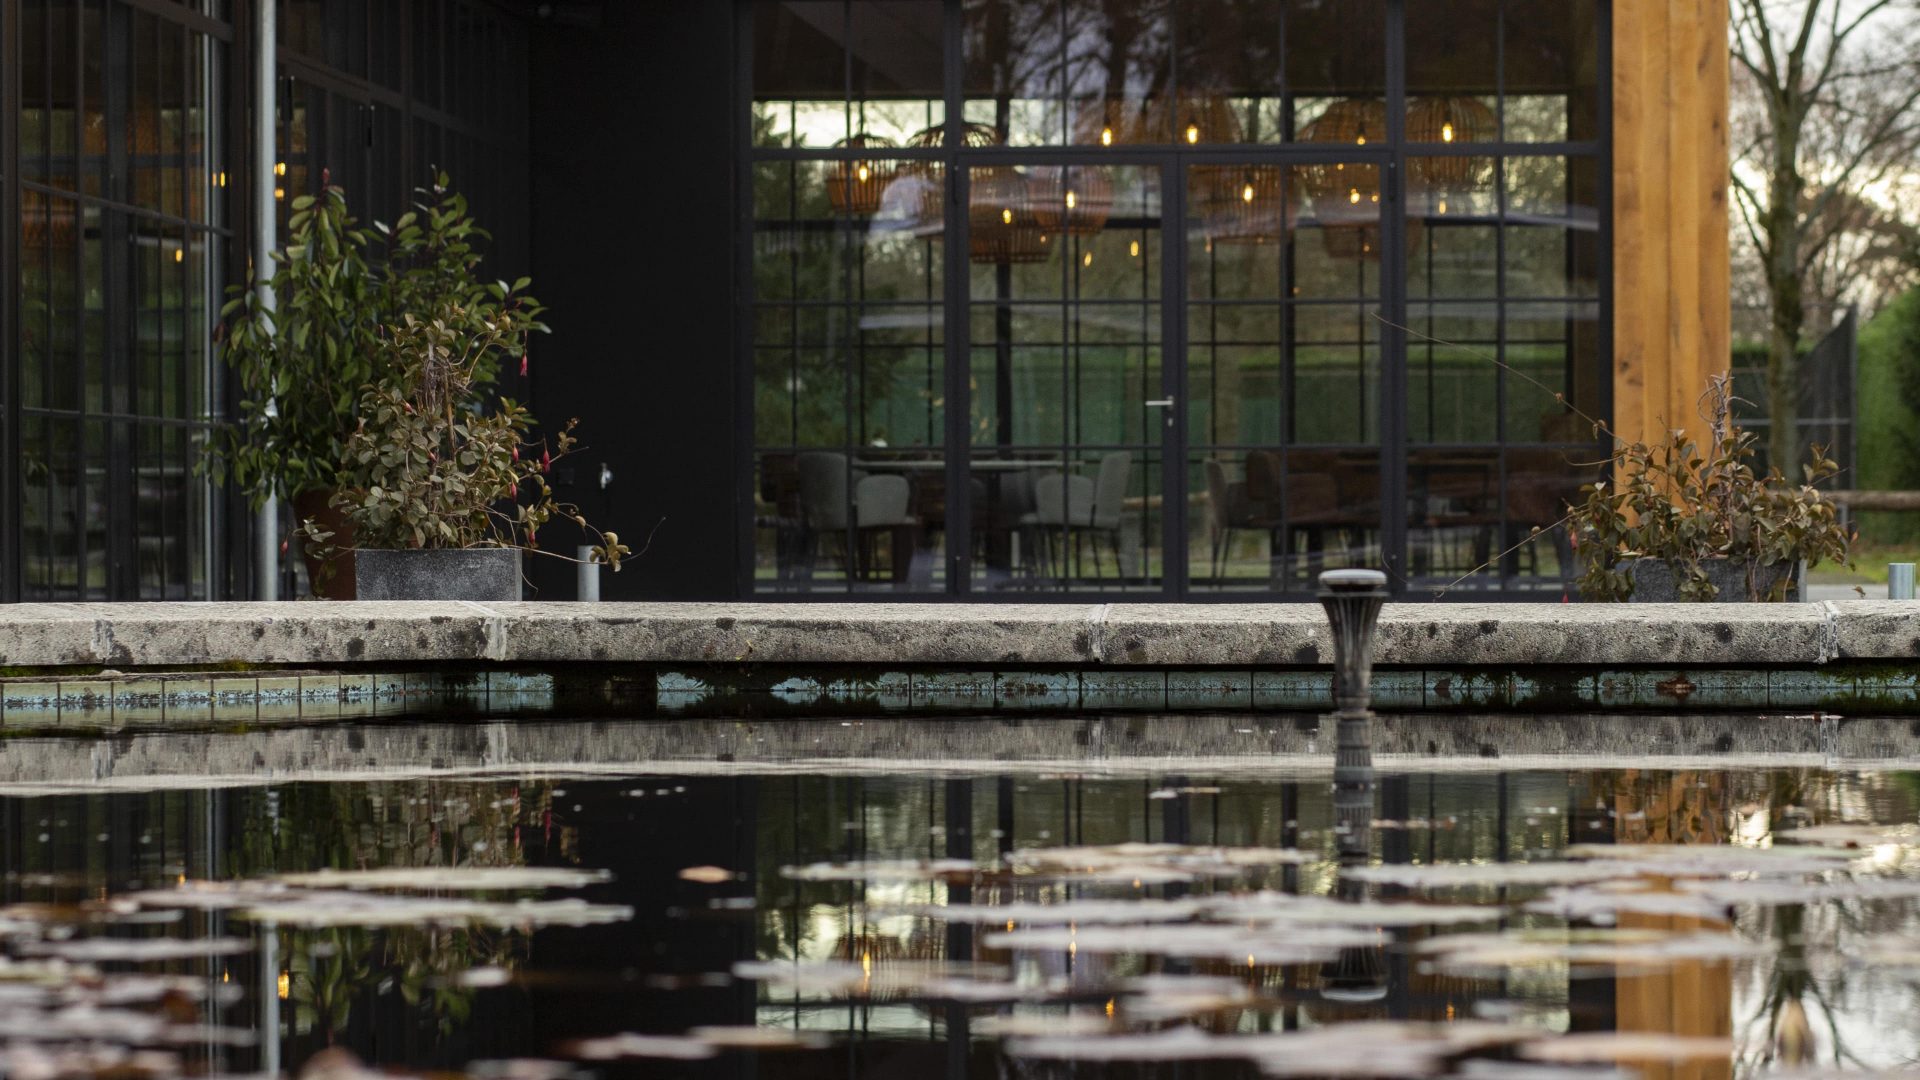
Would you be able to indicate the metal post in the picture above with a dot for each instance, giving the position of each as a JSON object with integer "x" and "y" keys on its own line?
{"x": 587, "y": 575}
{"x": 266, "y": 522}
{"x": 1353, "y": 599}
{"x": 1900, "y": 581}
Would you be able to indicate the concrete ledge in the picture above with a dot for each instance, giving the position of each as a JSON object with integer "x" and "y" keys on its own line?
{"x": 52, "y": 636}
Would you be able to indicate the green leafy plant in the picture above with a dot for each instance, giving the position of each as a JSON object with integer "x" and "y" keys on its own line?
{"x": 302, "y": 366}
{"x": 1688, "y": 501}
{"x": 428, "y": 465}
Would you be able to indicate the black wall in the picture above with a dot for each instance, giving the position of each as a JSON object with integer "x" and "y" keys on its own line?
{"x": 632, "y": 130}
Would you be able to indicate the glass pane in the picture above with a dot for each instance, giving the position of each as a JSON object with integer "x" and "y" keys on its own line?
{"x": 1335, "y": 49}
{"x": 1230, "y": 59}
{"x": 800, "y": 72}
{"x": 1271, "y": 518}
{"x": 1453, "y": 373}
{"x": 1541, "y": 484}
{"x": 1453, "y": 516}
{"x": 1553, "y": 226}
{"x": 1452, "y": 227}
{"x": 1013, "y": 79}
{"x": 1065, "y": 335}
{"x": 1119, "y": 71}
{"x": 1552, "y": 64}
{"x": 829, "y": 521}
{"x": 1453, "y": 72}
{"x": 1554, "y": 373}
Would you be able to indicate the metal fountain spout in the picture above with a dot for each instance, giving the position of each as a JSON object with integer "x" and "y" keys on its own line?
{"x": 1353, "y": 599}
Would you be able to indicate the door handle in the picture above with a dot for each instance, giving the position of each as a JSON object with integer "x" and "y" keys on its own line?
{"x": 1159, "y": 403}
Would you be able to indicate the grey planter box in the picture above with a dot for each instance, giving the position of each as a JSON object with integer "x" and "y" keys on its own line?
{"x": 1656, "y": 582}
{"x": 488, "y": 575}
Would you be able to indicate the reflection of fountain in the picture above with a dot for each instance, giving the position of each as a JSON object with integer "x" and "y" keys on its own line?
{"x": 1353, "y": 599}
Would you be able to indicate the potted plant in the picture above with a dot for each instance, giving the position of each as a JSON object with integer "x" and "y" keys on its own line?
{"x": 1687, "y": 520}
{"x": 442, "y": 492}
{"x": 302, "y": 364}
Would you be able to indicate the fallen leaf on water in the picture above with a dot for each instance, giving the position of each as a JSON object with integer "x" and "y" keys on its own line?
{"x": 707, "y": 875}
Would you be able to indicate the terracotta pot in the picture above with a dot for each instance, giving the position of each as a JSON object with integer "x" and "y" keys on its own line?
{"x": 330, "y": 579}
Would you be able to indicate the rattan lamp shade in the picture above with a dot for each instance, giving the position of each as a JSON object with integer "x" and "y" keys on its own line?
{"x": 1001, "y": 224}
{"x": 855, "y": 185}
{"x": 1241, "y": 204}
{"x": 1345, "y": 195}
{"x": 1450, "y": 121}
{"x": 931, "y": 176}
{"x": 1074, "y": 200}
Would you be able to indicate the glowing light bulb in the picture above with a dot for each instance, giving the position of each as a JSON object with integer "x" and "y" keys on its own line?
{"x": 1072, "y": 200}
{"x": 1106, "y": 136}
{"x": 1133, "y": 249}
{"x": 179, "y": 256}
{"x": 283, "y": 985}
{"x": 1193, "y": 133}
{"x": 279, "y": 168}
{"x": 1376, "y": 196}
{"x": 1362, "y": 140}
{"x": 1246, "y": 193}
{"x": 1086, "y": 259}
{"x": 279, "y": 193}
{"x": 1446, "y": 132}
{"x": 862, "y": 173}
{"x": 1443, "y": 206}
{"x": 1353, "y": 196}
{"x": 1006, "y": 217}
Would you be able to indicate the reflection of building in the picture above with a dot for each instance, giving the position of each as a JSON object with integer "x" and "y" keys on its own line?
{"x": 1183, "y": 297}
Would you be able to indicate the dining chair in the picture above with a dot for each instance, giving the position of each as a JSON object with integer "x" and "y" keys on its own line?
{"x": 877, "y": 504}
{"x": 1067, "y": 506}
{"x": 1227, "y": 512}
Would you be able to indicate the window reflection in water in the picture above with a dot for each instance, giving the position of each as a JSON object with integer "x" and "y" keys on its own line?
{"x": 443, "y": 997}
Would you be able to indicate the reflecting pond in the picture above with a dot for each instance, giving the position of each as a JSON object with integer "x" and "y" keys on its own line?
{"x": 1148, "y": 896}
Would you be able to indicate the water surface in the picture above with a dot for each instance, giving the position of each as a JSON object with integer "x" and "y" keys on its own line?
{"x": 1666, "y": 897}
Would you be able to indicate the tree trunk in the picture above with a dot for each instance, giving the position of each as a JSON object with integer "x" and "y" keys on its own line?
{"x": 1783, "y": 375}
{"x": 1788, "y": 315}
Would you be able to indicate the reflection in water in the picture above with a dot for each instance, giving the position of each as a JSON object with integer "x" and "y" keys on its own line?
{"x": 1832, "y": 981}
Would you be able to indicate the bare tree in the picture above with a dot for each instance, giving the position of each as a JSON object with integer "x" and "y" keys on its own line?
{"x": 1827, "y": 116}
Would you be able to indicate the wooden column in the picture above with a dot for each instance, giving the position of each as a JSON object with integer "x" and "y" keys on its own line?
{"x": 1671, "y": 299}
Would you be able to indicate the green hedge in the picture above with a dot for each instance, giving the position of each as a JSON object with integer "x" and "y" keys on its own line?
{"x": 1888, "y": 402}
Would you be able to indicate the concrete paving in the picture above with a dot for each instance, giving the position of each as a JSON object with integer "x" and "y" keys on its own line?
{"x": 124, "y": 636}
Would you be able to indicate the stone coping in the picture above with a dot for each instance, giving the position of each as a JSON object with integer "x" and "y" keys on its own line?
{"x": 172, "y": 635}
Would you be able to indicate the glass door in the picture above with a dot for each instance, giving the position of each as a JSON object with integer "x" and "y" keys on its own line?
{"x": 1285, "y": 337}
{"x": 1071, "y": 409}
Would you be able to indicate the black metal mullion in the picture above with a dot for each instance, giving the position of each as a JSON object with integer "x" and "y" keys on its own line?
{"x": 957, "y": 317}
{"x": 1392, "y": 442}
{"x": 1500, "y": 432}
{"x": 11, "y": 49}
{"x": 745, "y": 465}
{"x": 1173, "y": 436}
